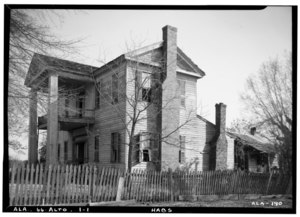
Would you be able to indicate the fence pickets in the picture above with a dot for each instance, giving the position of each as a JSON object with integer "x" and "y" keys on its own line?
{"x": 69, "y": 184}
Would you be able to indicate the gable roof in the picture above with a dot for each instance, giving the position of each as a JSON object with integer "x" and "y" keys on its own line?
{"x": 40, "y": 63}
{"x": 182, "y": 58}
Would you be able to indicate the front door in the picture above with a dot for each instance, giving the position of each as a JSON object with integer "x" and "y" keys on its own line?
{"x": 80, "y": 152}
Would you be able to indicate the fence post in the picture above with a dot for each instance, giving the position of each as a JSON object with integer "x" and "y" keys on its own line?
{"x": 268, "y": 186}
{"x": 171, "y": 184}
{"x": 120, "y": 188}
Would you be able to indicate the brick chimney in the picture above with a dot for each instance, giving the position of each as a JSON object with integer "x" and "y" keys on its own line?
{"x": 221, "y": 142}
{"x": 170, "y": 111}
{"x": 170, "y": 50}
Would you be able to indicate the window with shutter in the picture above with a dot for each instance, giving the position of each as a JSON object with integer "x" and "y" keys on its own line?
{"x": 182, "y": 149}
{"x": 146, "y": 150}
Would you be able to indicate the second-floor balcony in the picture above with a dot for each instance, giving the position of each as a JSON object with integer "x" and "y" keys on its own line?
{"x": 70, "y": 120}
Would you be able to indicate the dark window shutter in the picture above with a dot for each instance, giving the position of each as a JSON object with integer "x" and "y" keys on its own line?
{"x": 119, "y": 147}
{"x": 112, "y": 158}
{"x": 96, "y": 149}
{"x": 135, "y": 154}
{"x": 138, "y": 85}
{"x": 58, "y": 152}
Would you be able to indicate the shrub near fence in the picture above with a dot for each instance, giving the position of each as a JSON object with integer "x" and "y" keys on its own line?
{"x": 79, "y": 184}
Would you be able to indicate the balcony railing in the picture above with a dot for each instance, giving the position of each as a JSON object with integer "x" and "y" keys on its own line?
{"x": 78, "y": 113}
{"x": 74, "y": 116}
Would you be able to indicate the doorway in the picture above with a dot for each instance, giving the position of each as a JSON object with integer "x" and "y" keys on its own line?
{"x": 80, "y": 152}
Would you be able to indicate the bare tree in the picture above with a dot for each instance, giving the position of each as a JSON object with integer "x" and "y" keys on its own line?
{"x": 269, "y": 97}
{"x": 26, "y": 37}
{"x": 240, "y": 126}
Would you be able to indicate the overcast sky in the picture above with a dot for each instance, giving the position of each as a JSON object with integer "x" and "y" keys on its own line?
{"x": 227, "y": 45}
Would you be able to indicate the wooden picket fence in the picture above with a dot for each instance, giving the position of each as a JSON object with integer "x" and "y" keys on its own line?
{"x": 82, "y": 184}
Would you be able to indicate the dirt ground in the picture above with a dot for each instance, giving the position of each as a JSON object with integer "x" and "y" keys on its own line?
{"x": 257, "y": 203}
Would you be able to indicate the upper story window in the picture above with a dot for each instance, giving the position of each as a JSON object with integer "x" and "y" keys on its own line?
{"x": 115, "y": 88}
{"x": 181, "y": 84}
{"x": 143, "y": 86}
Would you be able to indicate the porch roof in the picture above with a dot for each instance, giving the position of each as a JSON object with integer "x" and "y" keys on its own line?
{"x": 253, "y": 141}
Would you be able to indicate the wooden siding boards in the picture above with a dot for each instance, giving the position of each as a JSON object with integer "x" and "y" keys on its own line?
{"x": 108, "y": 119}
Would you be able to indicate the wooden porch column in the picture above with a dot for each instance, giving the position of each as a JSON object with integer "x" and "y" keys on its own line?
{"x": 33, "y": 136}
{"x": 52, "y": 120}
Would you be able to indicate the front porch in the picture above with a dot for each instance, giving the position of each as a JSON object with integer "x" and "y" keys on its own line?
{"x": 71, "y": 93}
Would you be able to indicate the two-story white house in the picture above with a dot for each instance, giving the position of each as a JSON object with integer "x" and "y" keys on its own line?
{"x": 147, "y": 98}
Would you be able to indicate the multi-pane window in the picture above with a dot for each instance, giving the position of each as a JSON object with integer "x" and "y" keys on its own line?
{"x": 115, "y": 88}
{"x": 181, "y": 84}
{"x": 141, "y": 148}
{"x": 181, "y": 149}
{"x": 143, "y": 86}
{"x": 96, "y": 149}
{"x": 115, "y": 147}
{"x": 66, "y": 151}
